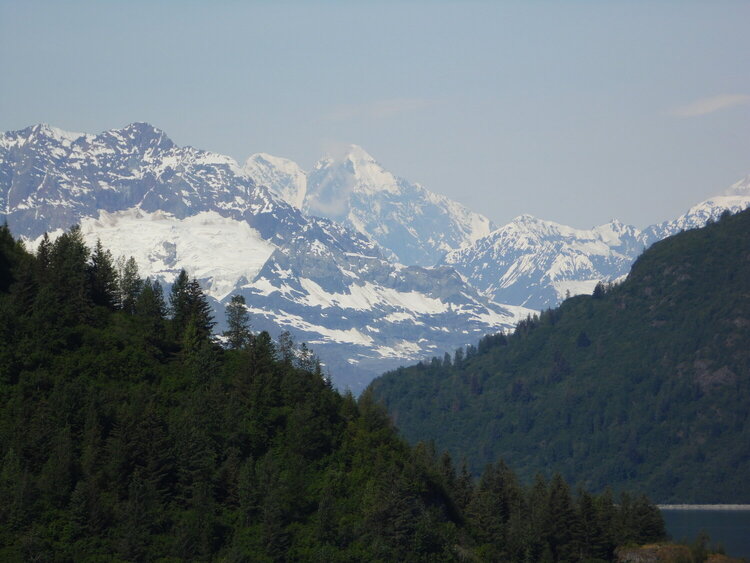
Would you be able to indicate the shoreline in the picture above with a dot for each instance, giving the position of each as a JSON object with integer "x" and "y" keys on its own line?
{"x": 703, "y": 506}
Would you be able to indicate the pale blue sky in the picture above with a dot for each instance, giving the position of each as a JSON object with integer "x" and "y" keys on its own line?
{"x": 576, "y": 112}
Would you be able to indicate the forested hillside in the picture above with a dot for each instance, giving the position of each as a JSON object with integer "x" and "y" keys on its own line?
{"x": 644, "y": 385}
{"x": 128, "y": 434}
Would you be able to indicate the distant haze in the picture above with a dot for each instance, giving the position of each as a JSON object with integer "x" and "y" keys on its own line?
{"x": 575, "y": 112}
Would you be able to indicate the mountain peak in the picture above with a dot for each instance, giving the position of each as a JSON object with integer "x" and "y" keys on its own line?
{"x": 352, "y": 155}
{"x": 355, "y": 153}
{"x": 143, "y": 134}
{"x": 142, "y": 127}
{"x": 282, "y": 176}
{"x": 741, "y": 188}
{"x": 353, "y": 169}
{"x": 277, "y": 161}
{"x": 44, "y": 130}
{"x": 527, "y": 220}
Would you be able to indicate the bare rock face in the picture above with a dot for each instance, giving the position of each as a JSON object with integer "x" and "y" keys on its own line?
{"x": 656, "y": 553}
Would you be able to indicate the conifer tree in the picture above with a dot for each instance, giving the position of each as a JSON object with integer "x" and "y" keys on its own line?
{"x": 130, "y": 284}
{"x": 189, "y": 305}
{"x": 43, "y": 252}
{"x": 593, "y": 541}
{"x": 200, "y": 310}
{"x": 104, "y": 283}
{"x": 68, "y": 275}
{"x": 151, "y": 309}
{"x": 238, "y": 321}
{"x": 564, "y": 531}
{"x": 9, "y": 254}
{"x": 286, "y": 347}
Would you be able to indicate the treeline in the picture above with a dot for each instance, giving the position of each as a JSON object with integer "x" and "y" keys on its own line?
{"x": 641, "y": 386}
{"x": 127, "y": 433}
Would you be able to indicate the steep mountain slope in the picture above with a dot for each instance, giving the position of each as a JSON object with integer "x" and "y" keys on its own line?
{"x": 178, "y": 207}
{"x": 413, "y": 225}
{"x": 536, "y": 263}
{"x": 367, "y": 310}
{"x": 282, "y": 176}
{"x": 644, "y": 385}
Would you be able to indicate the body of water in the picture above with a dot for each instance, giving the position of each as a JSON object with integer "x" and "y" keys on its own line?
{"x": 728, "y": 526}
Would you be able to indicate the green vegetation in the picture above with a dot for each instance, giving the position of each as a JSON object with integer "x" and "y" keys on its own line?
{"x": 128, "y": 434}
{"x": 642, "y": 386}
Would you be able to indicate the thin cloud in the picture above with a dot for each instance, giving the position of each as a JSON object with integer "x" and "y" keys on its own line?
{"x": 710, "y": 105}
{"x": 376, "y": 110}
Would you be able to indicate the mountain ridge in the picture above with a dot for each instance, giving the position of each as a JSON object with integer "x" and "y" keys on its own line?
{"x": 536, "y": 274}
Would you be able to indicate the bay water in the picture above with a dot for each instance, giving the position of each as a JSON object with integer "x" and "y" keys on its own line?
{"x": 727, "y": 526}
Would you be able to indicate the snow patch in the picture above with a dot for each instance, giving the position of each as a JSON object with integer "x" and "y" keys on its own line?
{"x": 367, "y": 296}
{"x": 211, "y": 248}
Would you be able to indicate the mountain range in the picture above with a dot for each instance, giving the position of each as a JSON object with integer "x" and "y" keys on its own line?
{"x": 528, "y": 262}
{"x": 179, "y": 207}
{"x": 369, "y": 269}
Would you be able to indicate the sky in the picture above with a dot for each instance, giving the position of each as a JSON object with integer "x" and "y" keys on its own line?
{"x": 576, "y": 112}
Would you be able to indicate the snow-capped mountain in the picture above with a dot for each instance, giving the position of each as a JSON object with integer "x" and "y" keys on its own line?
{"x": 735, "y": 199}
{"x": 50, "y": 179}
{"x": 537, "y": 263}
{"x": 334, "y": 285}
{"x": 178, "y": 207}
{"x": 412, "y": 224}
{"x": 282, "y": 176}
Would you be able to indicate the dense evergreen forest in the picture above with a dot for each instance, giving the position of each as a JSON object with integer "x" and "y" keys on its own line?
{"x": 128, "y": 434}
{"x": 642, "y": 386}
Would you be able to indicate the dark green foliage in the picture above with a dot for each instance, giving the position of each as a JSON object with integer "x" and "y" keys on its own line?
{"x": 104, "y": 282}
{"x": 191, "y": 313}
{"x": 238, "y": 322}
{"x": 643, "y": 386}
{"x": 151, "y": 310}
{"x": 11, "y": 256}
{"x": 121, "y": 440}
{"x": 130, "y": 284}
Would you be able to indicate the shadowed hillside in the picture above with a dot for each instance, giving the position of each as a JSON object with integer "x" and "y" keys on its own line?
{"x": 645, "y": 385}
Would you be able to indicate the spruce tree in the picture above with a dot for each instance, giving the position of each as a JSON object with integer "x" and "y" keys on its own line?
{"x": 238, "y": 321}
{"x": 190, "y": 306}
{"x": 178, "y": 302}
{"x": 104, "y": 282}
{"x": 130, "y": 284}
{"x": 68, "y": 276}
{"x": 286, "y": 347}
{"x": 151, "y": 309}
{"x": 200, "y": 310}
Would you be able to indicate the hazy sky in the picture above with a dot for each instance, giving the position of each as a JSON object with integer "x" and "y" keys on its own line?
{"x": 576, "y": 112}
